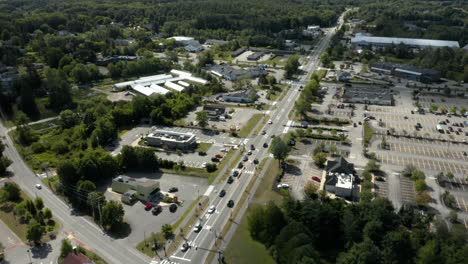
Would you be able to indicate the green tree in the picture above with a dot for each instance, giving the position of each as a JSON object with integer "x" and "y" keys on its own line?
{"x": 362, "y": 253}
{"x": 279, "y": 149}
{"x": 449, "y": 175}
{"x": 66, "y": 248}
{"x": 10, "y": 192}
{"x": 4, "y": 164}
{"x": 325, "y": 59}
{"x": 373, "y": 166}
{"x": 291, "y": 67}
{"x": 59, "y": 89}
{"x": 25, "y": 134}
{"x": 80, "y": 73}
{"x": 420, "y": 185}
{"x": 423, "y": 198}
{"x": 112, "y": 214}
{"x": 433, "y": 107}
{"x": 167, "y": 230}
{"x": 332, "y": 149}
{"x": 202, "y": 118}
{"x": 68, "y": 119}
{"x": 35, "y": 232}
{"x": 39, "y": 203}
{"x": 47, "y": 213}
{"x": 320, "y": 159}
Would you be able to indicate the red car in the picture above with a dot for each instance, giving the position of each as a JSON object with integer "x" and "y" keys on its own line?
{"x": 148, "y": 207}
{"x": 317, "y": 179}
{"x": 219, "y": 156}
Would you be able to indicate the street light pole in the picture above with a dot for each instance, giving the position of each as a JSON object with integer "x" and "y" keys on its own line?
{"x": 29, "y": 255}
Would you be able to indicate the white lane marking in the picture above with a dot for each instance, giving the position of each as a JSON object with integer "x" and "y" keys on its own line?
{"x": 285, "y": 130}
{"x": 209, "y": 190}
{"x": 176, "y": 257}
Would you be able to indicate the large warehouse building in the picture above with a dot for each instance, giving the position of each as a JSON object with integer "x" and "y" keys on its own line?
{"x": 162, "y": 83}
{"x": 406, "y": 72}
{"x": 366, "y": 95}
{"x": 365, "y": 40}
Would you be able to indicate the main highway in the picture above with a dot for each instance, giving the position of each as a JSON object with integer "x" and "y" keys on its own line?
{"x": 202, "y": 242}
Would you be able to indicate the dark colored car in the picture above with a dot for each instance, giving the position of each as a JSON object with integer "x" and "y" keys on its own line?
{"x": 240, "y": 165}
{"x": 222, "y": 193}
{"x": 156, "y": 210}
{"x": 202, "y": 153}
{"x": 230, "y": 204}
{"x": 317, "y": 179}
{"x": 230, "y": 180}
{"x": 173, "y": 208}
{"x": 246, "y": 158}
{"x": 214, "y": 159}
{"x": 265, "y": 145}
{"x": 173, "y": 189}
{"x": 255, "y": 161}
{"x": 263, "y": 132}
{"x": 235, "y": 173}
{"x": 252, "y": 147}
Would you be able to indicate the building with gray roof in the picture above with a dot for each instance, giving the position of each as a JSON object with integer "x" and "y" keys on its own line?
{"x": 365, "y": 40}
{"x": 406, "y": 71}
{"x": 366, "y": 95}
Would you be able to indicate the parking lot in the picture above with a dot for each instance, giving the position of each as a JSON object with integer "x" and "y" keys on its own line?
{"x": 381, "y": 188}
{"x": 441, "y": 101}
{"x": 435, "y": 165}
{"x": 408, "y": 193}
{"x": 425, "y": 149}
{"x": 143, "y": 222}
{"x": 239, "y": 117}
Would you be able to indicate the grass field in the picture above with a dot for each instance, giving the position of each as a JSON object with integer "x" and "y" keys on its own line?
{"x": 253, "y": 121}
{"x": 202, "y": 146}
{"x": 243, "y": 249}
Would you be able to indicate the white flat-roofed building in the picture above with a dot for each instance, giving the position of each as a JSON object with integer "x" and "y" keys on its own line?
{"x": 182, "y": 40}
{"x": 183, "y": 83}
{"x": 171, "y": 139}
{"x": 174, "y": 86}
{"x": 366, "y": 40}
{"x": 154, "y": 84}
{"x": 344, "y": 185}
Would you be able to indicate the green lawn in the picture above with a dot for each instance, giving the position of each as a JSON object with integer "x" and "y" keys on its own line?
{"x": 243, "y": 249}
{"x": 202, "y": 146}
{"x": 247, "y": 128}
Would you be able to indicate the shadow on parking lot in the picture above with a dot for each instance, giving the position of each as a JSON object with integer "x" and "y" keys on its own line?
{"x": 294, "y": 170}
{"x": 121, "y": 230}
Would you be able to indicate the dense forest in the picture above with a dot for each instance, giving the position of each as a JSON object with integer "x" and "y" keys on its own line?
{"x": 446, "y": 20}
{"x": 320, "y": 230}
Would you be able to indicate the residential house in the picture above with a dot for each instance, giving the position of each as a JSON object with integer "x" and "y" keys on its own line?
{"x": 76, "y": 258}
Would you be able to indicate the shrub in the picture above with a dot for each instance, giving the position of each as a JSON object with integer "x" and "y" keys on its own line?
{"x": 168, "y": 199}
{"x": 60, "y": 147}
{"x": 423, "y": 198}
{"x": 320, "y": 159}
{"x": 420, "y": 185}
{"x": 37, "y": 147}
{"x": 211, "y": 167}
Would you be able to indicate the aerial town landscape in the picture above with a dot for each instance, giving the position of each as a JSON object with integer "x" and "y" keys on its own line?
{"x": 239, "y": 132}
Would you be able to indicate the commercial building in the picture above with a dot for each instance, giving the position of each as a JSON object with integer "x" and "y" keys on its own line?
{"x": 230, "y": 73}
{"x": 340, "y": 179}
{"x": 406, "y": 72}
{"x": 364, "y": 40}
{"x": 176, "y": 81}
{"x": 343, "y": 76}
{"x": 171, "y": 139}
{"x": 366, "y": 95}
{"x": 137, "y": 188}
{"x": 246, "y": 96}
{"x": 215, "y": 112}
{"x": 190, "y": 44}
{"x": 211, "y": 42}
{"x": 311, "y": 31}
{"x": 256, "y": 55}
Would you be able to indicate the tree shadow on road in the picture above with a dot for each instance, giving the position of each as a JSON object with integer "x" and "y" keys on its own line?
{"x": 121, "y": 230}
{"x": 41, "y": 251}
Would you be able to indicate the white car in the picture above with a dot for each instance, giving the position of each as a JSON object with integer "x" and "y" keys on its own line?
{"x": 38, "y": 186}
{"x": 197, "y": 227}
{"x": 283, "y": 185}
{"x": 203, "y": 165}
{"x": 212, "y": 209}
{"x": 270, "y": 122}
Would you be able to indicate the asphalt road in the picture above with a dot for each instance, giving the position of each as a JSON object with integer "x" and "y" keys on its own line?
{"x": 112, "y": 250}
{"x": 201, "y": 242}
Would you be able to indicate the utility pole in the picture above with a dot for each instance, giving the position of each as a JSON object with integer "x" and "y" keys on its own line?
{"x": 100, "y": 213}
